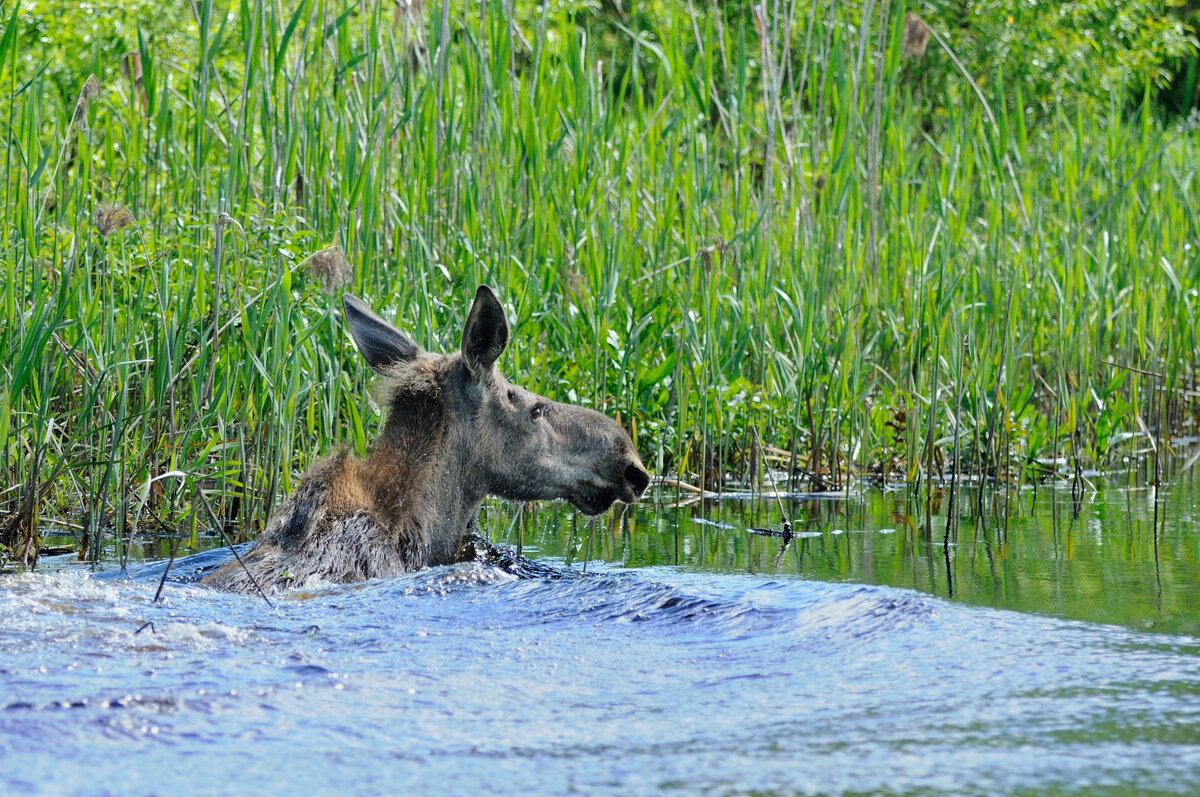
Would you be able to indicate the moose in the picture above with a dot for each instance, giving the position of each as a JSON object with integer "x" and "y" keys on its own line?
{"x": 456, "y": 431}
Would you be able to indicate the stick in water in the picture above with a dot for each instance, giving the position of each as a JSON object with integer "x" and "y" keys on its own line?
{"x": 174, "y": 550}
{"x": 587, "y": 549}
{"x": 224, "y": 535}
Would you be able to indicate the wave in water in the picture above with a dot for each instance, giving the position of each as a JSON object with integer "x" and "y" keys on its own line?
{"x": 468, "y": 679}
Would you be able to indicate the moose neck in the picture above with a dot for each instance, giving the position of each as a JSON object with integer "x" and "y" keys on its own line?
{"x": 422, "y": 490}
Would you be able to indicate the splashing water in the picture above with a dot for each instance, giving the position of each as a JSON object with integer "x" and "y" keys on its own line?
{"x": 466, "y": 680}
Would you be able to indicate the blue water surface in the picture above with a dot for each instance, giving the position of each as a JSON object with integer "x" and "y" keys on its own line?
{"x": 464, "y": 680}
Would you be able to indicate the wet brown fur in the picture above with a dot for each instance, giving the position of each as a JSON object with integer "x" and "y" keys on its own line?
{"x": 456, "y": 431}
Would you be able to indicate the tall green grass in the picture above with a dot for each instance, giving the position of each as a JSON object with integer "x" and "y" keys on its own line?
{"x": 700, "y": 241}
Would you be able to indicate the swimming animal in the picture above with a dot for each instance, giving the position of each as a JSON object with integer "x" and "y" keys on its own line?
{"x": 456, "y": 431}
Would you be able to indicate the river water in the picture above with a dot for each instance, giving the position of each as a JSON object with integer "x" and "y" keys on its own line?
{"x": 696, "y": 656}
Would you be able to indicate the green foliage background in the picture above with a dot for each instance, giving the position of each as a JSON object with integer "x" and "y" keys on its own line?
{"x": 715, "y": 222}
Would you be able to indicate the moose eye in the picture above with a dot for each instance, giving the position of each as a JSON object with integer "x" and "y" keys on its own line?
{"x": 537, "y": 411}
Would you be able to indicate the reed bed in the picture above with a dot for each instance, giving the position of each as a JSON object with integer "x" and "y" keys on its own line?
{"x": 694, "y": 237}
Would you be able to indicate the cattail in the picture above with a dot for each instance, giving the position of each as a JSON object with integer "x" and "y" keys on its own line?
{"x": 110, "y": 218}
{"x": 91, "y": 88}
{"x": 916, "y": 35}
{"x": 131, "y": 69}
{"x": 331, "y": 268}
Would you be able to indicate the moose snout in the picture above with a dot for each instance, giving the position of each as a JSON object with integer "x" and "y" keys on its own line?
{"x": 636, "y": 478}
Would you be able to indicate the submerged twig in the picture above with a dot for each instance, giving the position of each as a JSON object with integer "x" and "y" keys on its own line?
{"x": 787, "y": 524}
{"x": 783, "y": 549}
{"x": 587, "y": 549}
{"x": 174, "y": 550}
{"x": 229, "y": 541}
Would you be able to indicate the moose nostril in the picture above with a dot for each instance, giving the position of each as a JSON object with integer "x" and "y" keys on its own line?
{"x": 638, "y": 479}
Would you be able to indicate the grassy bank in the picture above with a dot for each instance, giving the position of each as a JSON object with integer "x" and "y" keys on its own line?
{"x": 701, "y": 240}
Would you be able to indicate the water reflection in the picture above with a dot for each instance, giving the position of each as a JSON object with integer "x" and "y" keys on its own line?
{"x": 703, "y": 653}
{"x": 1098, "y": 558}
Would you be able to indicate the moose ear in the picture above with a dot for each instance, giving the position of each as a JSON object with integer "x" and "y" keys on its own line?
{"x": 379, "y": 342}
{"x": 486, "y": 332}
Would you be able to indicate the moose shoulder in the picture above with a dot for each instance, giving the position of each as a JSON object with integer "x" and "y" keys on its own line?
{"x": 456, "y": 431}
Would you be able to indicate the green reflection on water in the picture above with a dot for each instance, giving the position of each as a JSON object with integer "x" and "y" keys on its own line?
{"x": 1035, "y": 551}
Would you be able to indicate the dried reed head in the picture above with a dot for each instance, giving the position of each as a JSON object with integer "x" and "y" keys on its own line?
{"x": 916, "y": 35}
{"x": 90, "y": 91}
{"x": 331, "y": 267}
{"x": 110, "y": 218}
{"x": 131, "y": 67}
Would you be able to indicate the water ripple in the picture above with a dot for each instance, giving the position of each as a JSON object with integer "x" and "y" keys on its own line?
{"x": 467, "y": 679}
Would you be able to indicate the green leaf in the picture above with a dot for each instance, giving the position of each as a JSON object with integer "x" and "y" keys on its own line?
{"x": 148, "y": 84}
{"x": 4, "y": 408}
{"x": 656, "y": 375}
{"x": 37, "y": 335}
{"x": 10, "y": 35}
{"x": 334, "y": 26}
{"x": 33, "y": 177}
{"x": 350, "y": 64}
{"x": 216, "y": 40}
{"x": 287, "y": 36}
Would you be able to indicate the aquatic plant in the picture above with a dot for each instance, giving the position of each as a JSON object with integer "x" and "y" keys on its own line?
{"x": 754, "y": 227}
